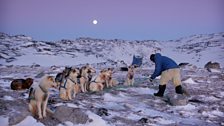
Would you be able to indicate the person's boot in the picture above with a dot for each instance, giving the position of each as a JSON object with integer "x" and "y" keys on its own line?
{"x": 179, "y": 89}
{"x": 161, "y": 91}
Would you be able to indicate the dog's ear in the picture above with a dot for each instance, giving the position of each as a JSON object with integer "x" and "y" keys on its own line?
{"x": 111, "y": 69}
{"x": 84, "y": 67}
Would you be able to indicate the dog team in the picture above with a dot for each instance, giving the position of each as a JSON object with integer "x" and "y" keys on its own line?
{"x": 74, "y": 80}
{"x": 70, "y": 82}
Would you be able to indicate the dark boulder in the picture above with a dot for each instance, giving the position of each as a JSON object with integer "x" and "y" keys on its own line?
{"x": 212, "y": 65}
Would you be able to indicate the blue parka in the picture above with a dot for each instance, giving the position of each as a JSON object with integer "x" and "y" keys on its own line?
{"x": 162, "y": 63}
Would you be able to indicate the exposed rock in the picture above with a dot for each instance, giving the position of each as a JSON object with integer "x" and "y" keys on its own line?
{"x": 10, "y": 59}
{"x": 74, "y": 115}
{"x": 102, "y": 112}
{"x": 39, "y": 75}
{"x": 196, "y": 101}
{"x": 177, "y": 99}
{"x": 212, "y": 65}
{"x": 35, "y": 65}
{"x": 17, "y": 116}
{"x": 143, "y": 120}
{"x": 183, "y": 64}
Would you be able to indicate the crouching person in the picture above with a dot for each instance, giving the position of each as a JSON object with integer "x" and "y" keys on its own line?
{"x": 169, "y": 70}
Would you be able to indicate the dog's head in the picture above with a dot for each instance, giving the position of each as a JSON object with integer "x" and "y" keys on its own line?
{"x": 74, "y": 73}
{"x": 105, "y": 74}
{"x": 131, "y": 69}
{"x": 67, "y": 70}
{"x": 110, "y": 72}
{"x": 89, "y": 69}
{"x": 51, "y": 82}
{"x": 59, "y": 78}
{"x": 29, "y": 82}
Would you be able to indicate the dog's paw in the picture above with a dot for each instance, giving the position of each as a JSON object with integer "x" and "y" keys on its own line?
{"x": 40, "y": 117}
{"x": 44, "y": 115}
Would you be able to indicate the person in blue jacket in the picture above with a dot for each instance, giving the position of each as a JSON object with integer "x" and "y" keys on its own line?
{"x": 169, "y": 70}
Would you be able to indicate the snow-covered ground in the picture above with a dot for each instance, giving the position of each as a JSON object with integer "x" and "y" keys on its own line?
{"x": 22, "y": 57}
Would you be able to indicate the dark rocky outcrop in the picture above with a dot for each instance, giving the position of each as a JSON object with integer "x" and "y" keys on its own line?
{"x": 212, "y": 65}
{"x": 74, "y": 115}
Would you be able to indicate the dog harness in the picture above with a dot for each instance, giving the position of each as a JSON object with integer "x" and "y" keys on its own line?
{"x": 45, "y": 92}
{"x": 31, "y": 94}
{"x": 64, "y": 86}
{"x": 78, "y": 80}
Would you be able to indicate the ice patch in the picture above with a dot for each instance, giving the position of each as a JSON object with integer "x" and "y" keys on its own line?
{"x": 8, "y": 98}
{"x": 217, "y": 113}
{"x": 29, "y": 121}
{"x": 113, "y": 105}
{"x": 190, "y": 81}
{"x": 72, "y": 105}
{"x": 67, "y": 104}
{"x": 109, "y": 97}
{"x": 68, "y": 123}
{"x": 222, "y": 93}
{"x": 133, "y": 116}
{"x": 211, "y": 98}
{"x": 186, "y": 107}
{"x": 143, "y": 90}
{"x": 96, "y": 121}
{"x": 164, "y": 121}
{"x": 59, "y": 104}
{"x": 4, "y": 121}
{"x": 215, "y": 71}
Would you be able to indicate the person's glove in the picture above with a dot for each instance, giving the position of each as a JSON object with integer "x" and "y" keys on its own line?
{"x": 150, "y": 79}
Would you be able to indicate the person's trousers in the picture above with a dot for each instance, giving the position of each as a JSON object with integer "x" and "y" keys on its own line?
{"x": 171, "y": 74}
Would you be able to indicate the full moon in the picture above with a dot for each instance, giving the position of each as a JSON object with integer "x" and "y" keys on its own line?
{"x": 95, "y": 22}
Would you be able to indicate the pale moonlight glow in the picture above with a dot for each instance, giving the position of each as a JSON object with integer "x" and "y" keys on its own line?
{"x": 95, "y": 22}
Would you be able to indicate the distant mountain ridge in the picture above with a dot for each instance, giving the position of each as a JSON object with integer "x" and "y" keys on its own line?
{"x": 23, "y": 50}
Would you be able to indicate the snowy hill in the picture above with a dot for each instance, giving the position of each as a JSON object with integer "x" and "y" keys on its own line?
{"x": 23, "y": 57}
{"x": 197, "y": 49}
{"x": 23, "y": 50}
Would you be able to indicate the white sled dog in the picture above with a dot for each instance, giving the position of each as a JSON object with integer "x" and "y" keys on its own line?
{"x": 38, "y": 97}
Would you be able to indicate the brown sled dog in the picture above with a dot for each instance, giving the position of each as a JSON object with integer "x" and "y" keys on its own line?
{"x": 20, "y": 84}
{"x": 110, "y": 82}
{"x": 70, "y": 85}
{"x": 99, "y": 82}
{"x": 38, "y": 96}
{"x": 86, "y": 73}
{"x": 130, "y": 76}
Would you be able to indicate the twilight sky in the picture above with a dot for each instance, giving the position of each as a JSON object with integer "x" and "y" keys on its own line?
{"x": 122, "y": 19}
